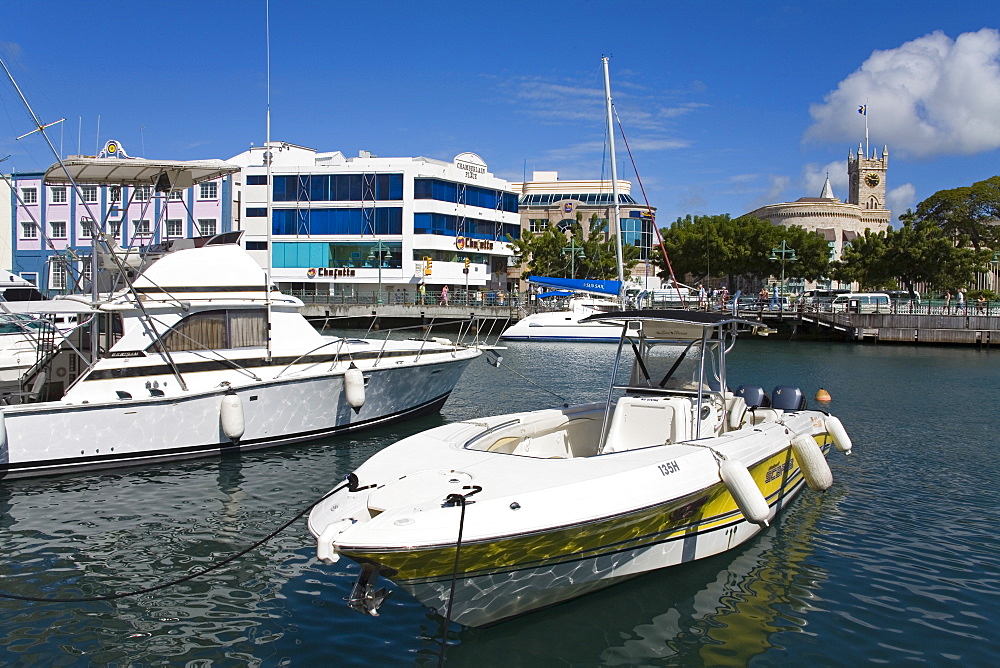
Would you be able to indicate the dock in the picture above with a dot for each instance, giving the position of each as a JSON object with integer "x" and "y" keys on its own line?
{"x": 929, "y": 325}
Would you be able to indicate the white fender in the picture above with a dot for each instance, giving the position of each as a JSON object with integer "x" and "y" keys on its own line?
{"x": 810, "y": 458}
{"x": 231, "y": 416}
{"x": 748, "y": 496}
{"x": 354, "y": 387}
{"x": 839, "y": 434}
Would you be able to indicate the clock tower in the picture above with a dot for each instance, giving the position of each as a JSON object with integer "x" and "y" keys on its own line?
{"x": 866, "y": 178}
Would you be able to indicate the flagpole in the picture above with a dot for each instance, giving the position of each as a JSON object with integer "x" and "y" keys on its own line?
{"x": 866, "y": 127}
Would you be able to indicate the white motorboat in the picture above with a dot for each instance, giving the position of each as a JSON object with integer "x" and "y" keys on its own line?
{"x": 21, "y": 338}
{"x": 490, "y": 518}
{"x": 566, "y": 324}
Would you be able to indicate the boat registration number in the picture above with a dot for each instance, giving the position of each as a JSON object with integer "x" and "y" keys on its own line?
{"x": 667, "y": 468}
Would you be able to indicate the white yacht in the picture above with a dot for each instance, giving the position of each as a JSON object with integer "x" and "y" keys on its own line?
{"x": 198, "y": 354}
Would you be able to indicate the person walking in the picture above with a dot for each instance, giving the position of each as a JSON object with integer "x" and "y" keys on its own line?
{"x": 444, "y": 295}
{"x": 947, "y": 302}
{"x": 422, "y": 293}
{"x": 961, "y": 301}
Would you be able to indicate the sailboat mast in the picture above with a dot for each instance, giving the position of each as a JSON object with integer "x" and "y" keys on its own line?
{"x": 270, "y": 185}
{"x": 614, "y": 179}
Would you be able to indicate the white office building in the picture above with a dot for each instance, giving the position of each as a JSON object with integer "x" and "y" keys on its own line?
{"x": 347, "y": 226}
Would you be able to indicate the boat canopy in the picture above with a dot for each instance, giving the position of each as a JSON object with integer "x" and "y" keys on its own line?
{"x": 673, "y": 324}
{"x": 165, "y": 175}
{"x": 579, "y": 284}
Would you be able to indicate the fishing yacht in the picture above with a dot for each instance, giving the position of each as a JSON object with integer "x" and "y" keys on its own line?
{"x": 198, "y": 354}
{"x": 493, "y": 517}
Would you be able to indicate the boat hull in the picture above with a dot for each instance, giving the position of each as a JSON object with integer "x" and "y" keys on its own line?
{"x": 557, "y": 326}
{"x": 57, "y": 437}
{"x": 538, "y": 530}
{"x": 483, "y": 600}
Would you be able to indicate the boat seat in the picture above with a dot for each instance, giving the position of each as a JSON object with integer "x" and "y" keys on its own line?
{"x": 759, "y": 415}
{"x": 640, "y": 422}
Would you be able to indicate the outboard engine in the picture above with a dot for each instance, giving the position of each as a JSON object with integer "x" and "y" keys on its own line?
{"x": 788, "y": 398}
{"x": 753, "y": 395}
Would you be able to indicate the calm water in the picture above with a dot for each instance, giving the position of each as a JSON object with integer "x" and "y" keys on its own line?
{"x": 898, "y": 562}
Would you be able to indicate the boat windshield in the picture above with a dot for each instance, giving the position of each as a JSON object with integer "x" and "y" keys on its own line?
{"x": 677, "y": 367}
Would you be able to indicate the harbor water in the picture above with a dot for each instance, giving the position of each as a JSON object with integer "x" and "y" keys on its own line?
{"x": 899, "y": 562}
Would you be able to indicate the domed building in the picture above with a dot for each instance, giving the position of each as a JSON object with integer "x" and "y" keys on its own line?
{"x": 840, "y": 222}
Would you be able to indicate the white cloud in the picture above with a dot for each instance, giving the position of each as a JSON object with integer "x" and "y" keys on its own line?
{"x": 642, "y": 111}
{"x": 814, "y": 177}
{"x": 902, "y": 198}
{"x": 931, "y": 96}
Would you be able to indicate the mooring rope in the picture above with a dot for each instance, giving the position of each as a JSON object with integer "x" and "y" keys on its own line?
{"x": 186, "y": 578}
{"x": 453, "y": 499}
{"x": 499, "y": 362}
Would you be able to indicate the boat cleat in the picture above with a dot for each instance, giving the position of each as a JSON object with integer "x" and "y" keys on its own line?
{"x": 364, "y": 597}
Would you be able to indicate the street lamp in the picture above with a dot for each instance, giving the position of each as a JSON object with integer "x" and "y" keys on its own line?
{"x": 384, "y": 255}
{"x": 783, "y": 255}
{"x": 573, "y": 254}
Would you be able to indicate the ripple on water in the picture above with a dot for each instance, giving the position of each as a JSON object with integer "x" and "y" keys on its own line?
{"x": 896, "y": 563}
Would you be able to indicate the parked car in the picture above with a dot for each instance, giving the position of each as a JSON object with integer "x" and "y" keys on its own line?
{"x": 744, "y": 303}
{"x": 861, "y": 302}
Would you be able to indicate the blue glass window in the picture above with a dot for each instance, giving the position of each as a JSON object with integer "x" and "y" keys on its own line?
{"x": 257, "y": 179}
{"x": 257, "y": 212}
{"x": 382, "y": 220}
{"x": 338, "y": 188}
{"x": 447, "y": 191}
{"x": 445, "y": 225}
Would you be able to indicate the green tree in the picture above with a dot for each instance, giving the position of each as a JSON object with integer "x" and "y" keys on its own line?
{"x": 545, "y": 254}
{"x": 713, "y": 247}
{"x": 919, "y": 251}
{"x": 969, "y": 212}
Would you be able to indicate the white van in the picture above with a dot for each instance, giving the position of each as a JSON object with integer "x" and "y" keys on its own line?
{"x": 861, "y": 302}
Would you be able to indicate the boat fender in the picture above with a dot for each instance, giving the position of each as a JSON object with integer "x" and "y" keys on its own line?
{"x": 815, "y": 468}
{"x": 747, "y": 495}
{"x": 840, "y": 438}
{"x": 231, "y": 416}
{"x": 354, "y": 387}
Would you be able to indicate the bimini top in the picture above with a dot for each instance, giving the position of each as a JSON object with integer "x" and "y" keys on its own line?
{"x": 674, "y": 324}
{"x": 164, "y": 175}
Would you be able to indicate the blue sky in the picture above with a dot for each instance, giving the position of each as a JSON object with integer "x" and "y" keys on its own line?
{"x": 726, "y": 105}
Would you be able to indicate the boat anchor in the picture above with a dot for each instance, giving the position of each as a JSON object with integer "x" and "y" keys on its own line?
{"x": 364, "y": 597}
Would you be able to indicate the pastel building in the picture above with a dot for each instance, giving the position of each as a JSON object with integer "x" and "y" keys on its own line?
{"x": 548, "y": 200}
{"x": 52, "y": 225}
{"x": 352, "y": 227}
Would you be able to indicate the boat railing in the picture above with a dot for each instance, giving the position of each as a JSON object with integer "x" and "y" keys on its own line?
{"x": 338, "y": 342}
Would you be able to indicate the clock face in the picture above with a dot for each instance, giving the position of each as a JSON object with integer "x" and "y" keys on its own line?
{"x": 872, "y": 180}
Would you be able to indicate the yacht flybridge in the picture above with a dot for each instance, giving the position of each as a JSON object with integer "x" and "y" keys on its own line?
{"x": 197, "y": 354}
{"x": 493, "y": 517}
